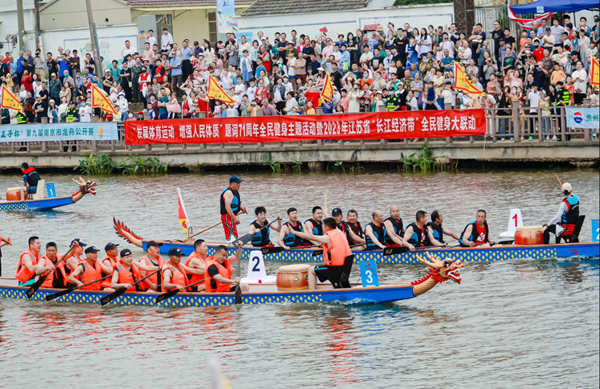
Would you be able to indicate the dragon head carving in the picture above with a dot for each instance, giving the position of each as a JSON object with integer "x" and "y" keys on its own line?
{"x": 86, "y": 187}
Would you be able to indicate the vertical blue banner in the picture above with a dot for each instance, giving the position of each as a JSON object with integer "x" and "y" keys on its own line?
{"x": 368, "y": 273}
{"x": 51, "y": 190}
{"x": 595, "y": 230}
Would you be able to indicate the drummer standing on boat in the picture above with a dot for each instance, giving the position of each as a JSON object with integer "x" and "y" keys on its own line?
{"x": 335, "y": 251}
{"x": 260, "y": 237}
{"x": 563, "y": 223}
{"x": 477, "y": 233}
{"x": 30, "y": 178}
{"x": 436, "y": 231}
{"x": 231, "y": 206}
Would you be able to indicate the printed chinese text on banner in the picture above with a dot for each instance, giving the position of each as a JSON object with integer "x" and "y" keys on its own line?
{"x": 216, "y": 92}
{"x": 226, "y": 19}
{"x": 10, "y": 101}
{"x": 462, "y": 83}
{"x": 374, "y": 125}
{"x": 183, "y": 217}
{"x": 327, "y": 93}
{"x": 99, "y": 100}
{"x": 58, "y": 132}
{"x": 595, "y": 72}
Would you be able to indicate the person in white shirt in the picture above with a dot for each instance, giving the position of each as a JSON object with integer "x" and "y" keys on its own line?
{"x": 150, "y": 38}
{"x": 85, "y": 113}
{"x": 548, "y": 40}
{"x": 128, "y": 50}
{"x": 232, "y": 112}
{"x": 166, "y": 39}
{"x": 447, "y": 95}
{"x": 580, "y": 82}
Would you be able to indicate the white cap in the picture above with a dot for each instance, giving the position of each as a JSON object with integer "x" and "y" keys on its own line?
{"x": 567, "y": 188}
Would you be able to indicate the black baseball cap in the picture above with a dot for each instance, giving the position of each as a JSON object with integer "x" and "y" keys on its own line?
{"x": 336, "y": 211}
{"x": 91, "y": 249}
{"x": 176, "y": 251}
{"x": 79, "y": 242}
{"x": 125, "y": 252}
{"x": 235, "y": 179}
{"x": 110, "y": 246}
{"x": 153, "y": 243}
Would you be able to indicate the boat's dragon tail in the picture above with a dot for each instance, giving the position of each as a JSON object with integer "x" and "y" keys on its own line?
{"x": 439, "y": 271}
{"x": 124, "y": 232}
{"x": 85, "y": 187}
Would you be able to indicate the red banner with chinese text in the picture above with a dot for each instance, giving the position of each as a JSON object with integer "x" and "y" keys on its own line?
{"x": 377, "y": 125}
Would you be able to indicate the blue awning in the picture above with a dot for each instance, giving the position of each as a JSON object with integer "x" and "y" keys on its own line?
{"x": 555, "y": 6}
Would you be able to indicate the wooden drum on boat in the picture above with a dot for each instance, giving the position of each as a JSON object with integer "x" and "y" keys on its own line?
{"x": 13, "y": 194}
{"x": 292, "y": 277}
{"x": 529, "y": 235}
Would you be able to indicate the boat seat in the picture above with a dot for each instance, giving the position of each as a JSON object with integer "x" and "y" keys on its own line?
{"x": 573, "y": 238}
{"x": 39, "y": 194}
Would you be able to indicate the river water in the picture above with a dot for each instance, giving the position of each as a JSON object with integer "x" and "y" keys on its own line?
{"x": 524, "y": 323}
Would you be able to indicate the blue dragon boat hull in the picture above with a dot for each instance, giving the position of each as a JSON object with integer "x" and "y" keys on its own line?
{"x": 36, "y": 205}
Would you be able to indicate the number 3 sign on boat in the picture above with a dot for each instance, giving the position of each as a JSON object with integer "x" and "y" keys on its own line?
{"x": 368, "y": 272}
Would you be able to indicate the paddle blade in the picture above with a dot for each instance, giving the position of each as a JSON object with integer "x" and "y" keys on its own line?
{"x": 316, "y": 253}
{"x": 394, "y": 250}
{"x": 238, "y": 295}
{"x": 271, "y": 250}
{"x": 107, "y": 299}
{"x": 167, "y": 295}
{"x": 31, "y": 291}
{"x": 244, "y": 240}
{"x": 51, "y": 297}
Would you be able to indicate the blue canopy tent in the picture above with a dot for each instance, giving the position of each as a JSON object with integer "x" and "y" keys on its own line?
{"x": 555, "y": 6}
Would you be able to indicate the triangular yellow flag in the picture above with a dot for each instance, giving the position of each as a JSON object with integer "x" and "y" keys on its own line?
{"x": 462, "y": 83}
{"x": 327, "y": 92}
{"x": 595, "y": 72}
{"x": 216, "y": 92}
{"x": 99, "y": 100}
{"x": 10, "y": 101}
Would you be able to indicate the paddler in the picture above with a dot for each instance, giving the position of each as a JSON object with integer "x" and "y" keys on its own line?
{"x": 477, "y": 233}
{"x": 73, "y": 258}
{"x": 173, "y": 273}
{"x": 394, "y": 229}
{"x": 30, "y": 178}
{"x": 110, "y": 261}
{"x": 262, "y": 238}
{"x": 375, "y": 232}
{"x": 218, "y": 278}
{"x": 88, "y": 271}
{"x": 335, "y": 251}
{"x": 338, "y": 216}
{"x": 436, "y": 231}
{"x": 314, "y": 225}
{"x": 286, "y": 239}
{"x": 127, "y": 273}
{"x": 416, "y": 234}
{"x": 354, "y": 224}
{"x": 28, "y": 260}
{"x": 57, "y": 277}
{"x": 563, "y": 223}
{"x": 195, "y": 265}
{"x": 231, "y": 206}
{"x": 151, "y": 262}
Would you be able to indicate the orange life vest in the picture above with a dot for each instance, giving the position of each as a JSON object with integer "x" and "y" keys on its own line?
{"x": 49, "y": 282}
{"x": 90, "y": 274}
{"x": 178, "y": 277}
{"x": 154, "y": 278}
{"x": 23, "y": 274}
{"x": 129, "y": 276}
{"x": 195, "y": 277}
{"x": 113, "y": 264}
{"x": 68, "y": 268}
{"x": 335, "y": 253}
{"x": 224, "y": 271}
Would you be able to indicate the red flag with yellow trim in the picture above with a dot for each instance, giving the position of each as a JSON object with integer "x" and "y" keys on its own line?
{"x": 595, "y": 72}
{"x": 327, "y": 93}
{"x": 216, "y": 92}
{"x": 183, "y": 217}
{"x": 10, "y": 101}
{"x": 99, "y": 100}
{"x": 462, "y": 82}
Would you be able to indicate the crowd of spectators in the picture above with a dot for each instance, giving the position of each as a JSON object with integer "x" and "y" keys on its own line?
{"x": 405, "y": 68}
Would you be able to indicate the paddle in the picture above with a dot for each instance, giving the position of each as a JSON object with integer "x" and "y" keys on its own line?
{"x": 173, "y": 292}
{"x": 394, "y": 250}
{"x": 107, "y": 299}
{"x": 559, "y": 181}
{"x": 238, "y": 295}
{"x": 271, "y": 250}
{"x": 67, "y": 291}
{"x": 31, "y": 291}
{"x": 205, "y": 229}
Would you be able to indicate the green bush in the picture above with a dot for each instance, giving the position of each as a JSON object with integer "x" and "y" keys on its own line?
{"x": 103, "y": 164}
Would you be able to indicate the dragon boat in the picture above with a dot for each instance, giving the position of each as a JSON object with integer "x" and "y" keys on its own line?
{"x": 440, "y": 271}
{"x": 40, "y": 202}
{"x": 465, "y": 254}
